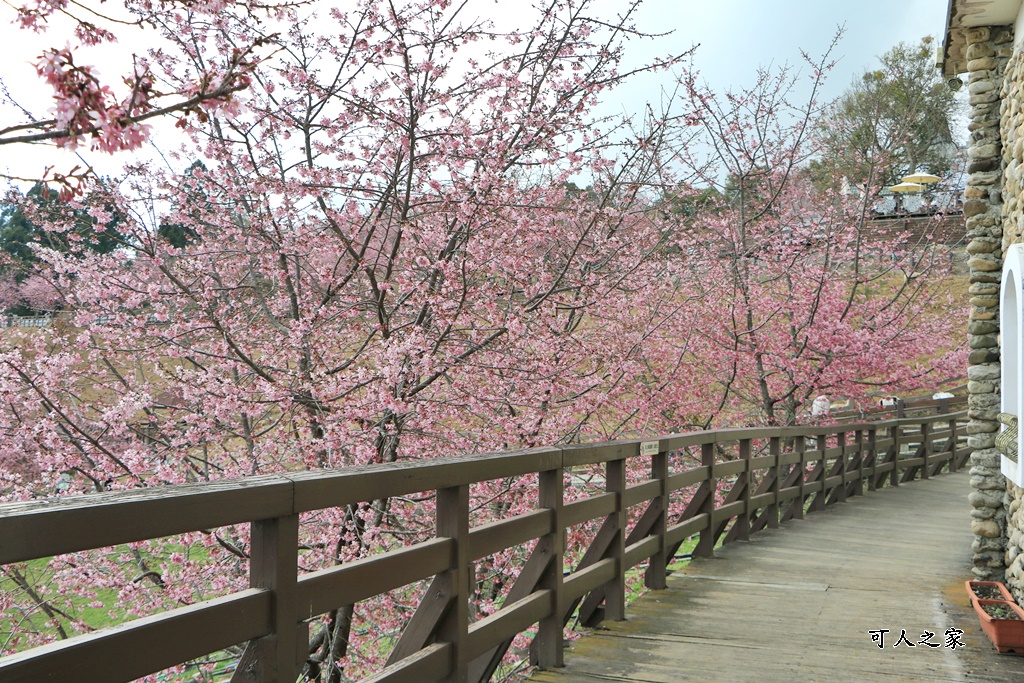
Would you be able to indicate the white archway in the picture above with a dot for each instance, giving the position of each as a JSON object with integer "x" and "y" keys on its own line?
{"x": 1011, "y": 314}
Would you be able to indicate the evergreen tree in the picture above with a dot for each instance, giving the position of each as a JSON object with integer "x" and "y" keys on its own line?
{"x": 21, "y": 235}
{"x": 892, "y": 121}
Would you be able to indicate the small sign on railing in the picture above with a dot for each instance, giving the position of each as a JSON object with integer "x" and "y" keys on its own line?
{"x": 650, "y": 447}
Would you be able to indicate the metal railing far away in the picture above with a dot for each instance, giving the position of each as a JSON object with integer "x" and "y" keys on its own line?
{"x": 712, "y": 486}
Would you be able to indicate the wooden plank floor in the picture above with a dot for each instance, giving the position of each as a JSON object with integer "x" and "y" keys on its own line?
{"x": 797, "y": 603}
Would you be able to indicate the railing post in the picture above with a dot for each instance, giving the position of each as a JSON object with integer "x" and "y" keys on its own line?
{"x": 819, "y": 500}
{"x": 549, "y": 632}
{"x": 894, "y": 476}
{"x": 843, "y": 462}
{"x": 775, "y": 450}
{"x": 706, "y": 542}
{"x": 274, "y": 564}
{"x": 615, "y": 590}
{"x": 743, "y": 480}
{"x": 926, "y": 446}
{"x": 858, "y": 489}
{"x": 657, "y": 568}
{"x": 873, "y": 453}
{"x": 953, "y": 446}
{"x": 800, "y": 446}
{"x": 453, "y": 523}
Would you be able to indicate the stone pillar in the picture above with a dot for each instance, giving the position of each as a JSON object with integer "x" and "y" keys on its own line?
{"x": 988, "y": 51}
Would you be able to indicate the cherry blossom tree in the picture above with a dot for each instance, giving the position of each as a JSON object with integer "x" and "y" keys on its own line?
{"x": 89, "y": 107}
{"x": 377, "y": 261}
{"x": 805, "y": 296}
{"x": 114, "y": 111}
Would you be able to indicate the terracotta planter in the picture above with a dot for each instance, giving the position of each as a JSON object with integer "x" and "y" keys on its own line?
{"x": 1006, "y": 634}
{"x": 999, "y": 585}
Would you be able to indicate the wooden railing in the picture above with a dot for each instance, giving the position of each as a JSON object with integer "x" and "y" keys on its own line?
{"x": 909, "y": 407}
{"x": 746, "y": 480}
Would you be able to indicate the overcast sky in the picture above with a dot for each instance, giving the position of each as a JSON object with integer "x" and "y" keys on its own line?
{"x": 735, "y": 37}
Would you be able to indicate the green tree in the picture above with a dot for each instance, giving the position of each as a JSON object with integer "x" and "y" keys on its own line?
{"x": 687, "y": 202}
{"x": 21, "y": 234}
{"x": 892, "y": 121}
{"x": 19, "y": 229}
{"x": 194, "y": 200}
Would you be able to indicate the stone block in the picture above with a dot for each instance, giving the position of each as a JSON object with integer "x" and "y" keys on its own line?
{"x": 984, "y": 86}
{"x": 983, "y": 341}
{"x": 977, "y": 165}
{"x": 985, "y": 499}
{"x": 982, "y": 124}
{"x": 989, "y": 150}
{"x": 981, "y": 387}
{"x": 978, "y": 356}
{"x": 981, "y": 221}
{"x": 980, "y": 544}
{"x": 985, "y": 231}
{"x": 981, "y": 440}
{"x": 987, "y": 483}
{"x": 982, "y": 327}
{"x": 985, "y": 464}
{"x": 983, "y": 245}
{"x": 992, "y": 561}
{"x": 983, "y": 413}
{"x": 986, "y": 528}
{"x": 983, "y": 98}
{"x": 978, "y": 34}
{"x": 983, "y": 372}
{"x": 982, "y": 63}
{"x": 978, "y": 49}
{"x": 984, "y": 288}
{"x": 983, "y": 401}
{"x": 983, "y": 262}
{"x": 985, "y": 112}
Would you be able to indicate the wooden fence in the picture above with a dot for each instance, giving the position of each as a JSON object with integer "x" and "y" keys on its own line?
{"x": 746, "y": 480}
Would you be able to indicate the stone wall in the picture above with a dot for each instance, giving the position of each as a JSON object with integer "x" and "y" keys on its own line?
{"x": 988, "y": 53}
{"x": 1014, "y": 558}
{"x": 1012, "y": 125}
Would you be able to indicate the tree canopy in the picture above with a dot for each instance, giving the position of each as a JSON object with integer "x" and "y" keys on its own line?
{"x": 895, "y": 119}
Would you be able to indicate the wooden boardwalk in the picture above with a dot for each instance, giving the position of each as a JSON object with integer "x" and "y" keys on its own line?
{"x": 797, "y": 603}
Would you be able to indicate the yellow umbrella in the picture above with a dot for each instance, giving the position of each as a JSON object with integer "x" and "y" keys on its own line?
{"x": 921, "y": 178}
{"x": 906, "y": 187}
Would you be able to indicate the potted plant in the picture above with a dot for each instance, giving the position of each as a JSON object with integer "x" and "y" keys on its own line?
{"x": 1003, "y": 623}
{"x": 988, "y": 590}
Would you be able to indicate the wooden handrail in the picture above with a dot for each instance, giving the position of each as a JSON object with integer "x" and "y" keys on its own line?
{"x": 791, "y": 470}
{"x": 940, "y": 405}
